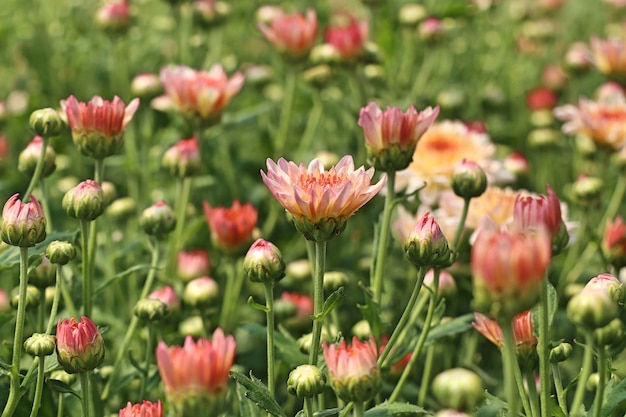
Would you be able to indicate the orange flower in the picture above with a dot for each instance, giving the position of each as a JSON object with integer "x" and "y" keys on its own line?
{"x": 608, "y": 56}
{"x": 348, "y": 36}
{"x": 144, "y": 409}
{"x": 319, "y": 201}
{"x": 291, "y": 33}
{"x": 231, "y": 228}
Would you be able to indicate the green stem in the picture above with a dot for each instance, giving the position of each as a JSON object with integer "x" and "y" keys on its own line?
{"x": 91, "y": 247}
{"x": 576, "y": 408}
{"x": 234, "y": 281}
{"x": 269, "y": 303}
{"x": 60, "y": 406}
{"x": 84, "y": 387}
{"x": 308, "y": 406}
{"x": 459, "y": 231}
{"x": 41, "y": 309}
{"x": 87, "y": 284}
{"x": 133, "y": 322}
{"x": 422, "y": 339}
{"x": 315, "y": 115}
{"x": 359, "y": 409}
{"x": 14, "y": 373}
{"x": 55, "y": 300}
{"x": 616, "y": 200}
{"x": 532, "y": 394}
{"x": 225, "y": 162}
{"x": 543, "y": 349}
{"x": 285, "y": 112}
{"x": 45, "y": 205}
{"x": 41, "y": 368}
{"x": 509, "y": 363}
{"x": 558, "y": 384}
{"x": 519, "y": 380}
{"x": 318, "y": 299}
{"x": 146, "y": 371}
{"x": 428, "y": 368}
{"x": 67, "y": 297}
{"x": 38, "y": 170}
{"x": 182, "y": 199}
{"x": 383, "y": 238}
{"x": 602, "y": 368}
{"x": 404, "y": 319}
{"x": 422, "y": 300}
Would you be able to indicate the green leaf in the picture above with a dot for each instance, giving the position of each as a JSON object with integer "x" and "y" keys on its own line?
{"x": 286, "y": 348}
{"x": 333, "y": 300}
{"x": 257, "y": 306}
{"x": 257, "y": 392}
{"x": 395, "y": 409}
{"x": 454, "y": 326}
{"x": 61, "y": 387}
{"x": 115, "y": 278}
{"x": 11, "y": 256}
{"x": 246, "y": 408}
{"x": 552, "y": 307}
{"x": 327, "y": 413}
{"x": 613, "y": 396}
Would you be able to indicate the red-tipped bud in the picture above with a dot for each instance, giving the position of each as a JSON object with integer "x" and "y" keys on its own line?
{"x": 23, "y": 224}
{"x": 592, "y": 308}
{"x": 158, "y": 219}
{"x": 29, "y": 157}
{"x": 168, "y": 296}
{"x": 183, "y": 159}
{"x": 85, "y": 201}
{"x": 80, "y": 346}
{"x": 426, "y": 246}
{"x": 264, "y": 262}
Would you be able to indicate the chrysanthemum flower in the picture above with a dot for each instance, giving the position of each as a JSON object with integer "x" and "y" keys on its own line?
{"x": 608, "y": 56}
{"x": 231, "y": 227}
{"x": 80, "y": 346}
{"x": 347, "y": 36}
{"x": 143, "y": 409}
{"x": 293, "y": 34}
{"x": 320, "y": 201}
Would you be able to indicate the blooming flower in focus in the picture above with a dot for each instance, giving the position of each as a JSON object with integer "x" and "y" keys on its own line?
{"x": 507, "y": 269}
{"x": 80, "y": 346}
{"x": 98, "y": 125}
{"x": 114, "y": 16}
{"x": 144, "y": 409}
{"x": 231, "y": 228}
{"x": 293, "y": 34}
{"x": 320, "y": 201}
{"x": 391, "y": 136}
{"x": 198, "y": 95}
{"x": 348, "y": 36}
{"x": 23, "y": 224}
{"x": 193, "y": 264}
{"x": 614, "y": 242}
{"x": 195, "y": 375}
{"x": 354, "y": 372}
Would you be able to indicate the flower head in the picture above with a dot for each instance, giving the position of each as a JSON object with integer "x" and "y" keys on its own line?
{"x": 391, "y": 136}
{"x": 426, "y": 246}
{"x": 195, "y": 375}
{"x": 354, "y": 372}
{"x": 614, "y": 242}
{"x": 114, "y": 16}
{"x": 80, "y": 346}
{"x": 609, "y": 56}
{"x": 231, "y": 227}
{"x": 183, "y": 159}
{"x": 293, "y": 34}
{"x": 98, "y": 126}
{"x": 23, "y": 224}
{"x": 144, "y": 409}
{"x": 193, "y": 264}
{"x": 198, "y": 95}
{"x": 264, "y": 262}
{"x": 347, "y": 35}
{"x": 27, "y": 161}
{"x": 320, "y": 201}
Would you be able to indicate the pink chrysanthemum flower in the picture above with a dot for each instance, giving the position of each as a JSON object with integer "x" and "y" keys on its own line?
{"x": 608, "y": 56}
{"x": 144, "y": 409}
{"x": 231, "y": 227}
{"x": 80, "y": 346}
{"x": 347, "y": 35}
{"x": 320, "y": 201}
{"x": 293, "y": 34}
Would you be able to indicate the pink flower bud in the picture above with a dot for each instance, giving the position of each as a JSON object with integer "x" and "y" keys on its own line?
{"x": 23, "y": 224}
{"x": 85, "y": 201}
{"x": 144, "y": 409}
{"x": 293, "y": 34}
{"x": 29, "y": 157}
{"x": 614, "y": 242}
{"x": 264, "y": 262}
{"x": 426, "y": 246}
{"x": 183, "y": 159}
{"x": 80, "y": 346}
{"x": 146, "y": 85}
{"x": 167, "y": 296}
{"x": 347, "y": 35}
{"x": 193, "y": 264}
{"x": 200, "y": 292}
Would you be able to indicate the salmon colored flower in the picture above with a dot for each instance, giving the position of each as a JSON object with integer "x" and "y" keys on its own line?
{"x": 98, "y": 125}
{"x": 354, "y": 372}
{"x": 608, "y": 56}
{"x": 167, "y": 296}
{"x": 614, "y": 242}
{"x": 183, "y": 159}
{"x": 293, "y": 34}
{"x": 302, "y": 302}
{"x": 80, "y": 346}
{"x": 198, "y": 95}
{"x": 144, "y": 409}
{"x": 507, "y": 269}
{"x": 347, "y": 35}
{"x": 320, "y": 201}
{"x": 193, "y": 264}
{"x": 114, "y": 16}
{"x": 391, "y": 136}
{"x": 23, "y": 224}
{"x": 195, "y": 375}
{"x": 231, "y": 228}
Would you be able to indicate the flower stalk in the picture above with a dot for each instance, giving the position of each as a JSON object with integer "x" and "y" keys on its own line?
{"x": 318, "y": 299}
{"x": 585, "y": 371}
{"x": 377, "y": 284}
{"x": 543, "y": 348}
{"x": 269, "y": 313}
{"x": 509, "y": 363}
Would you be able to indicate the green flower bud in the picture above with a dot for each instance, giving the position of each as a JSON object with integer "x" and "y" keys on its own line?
{"x": 85, "y": 201}
{"x": 306, "y": 381}
{"x": 318, "y": 75}
{"x": 40, "y": 344}
{"x": 587, "y": 190}
{"x": 33, "y": 297}
{"x": 43, "y": 275}
{"x": 561, "y": 352}
{"x": 299, "y": 270}
{"x": 362, "y": 330}
{"x": 122, "y": 208}
{"x": 609, "y": 283}
{"x": 592, "y": 382}
{"x": 264, "y": 263}
{"x": 592, "y": 308}
{"x": 60, "y": 252}
{"x": 150, "y": 309}
{"x": 193, "y": 326}
{"x": 335, "y": 279}
{"x": 284, "y": 309}
{"x": 426, "y": 246}
{"x": 458, "y": 388}
{"x": 610, "y": 334}
{"x": 29, "y": 157}
{"x": 23, "y": 224}
{"x": 324, "y": 54}
{"x": 468, "y": 179}
{"x": 46, "y": 122}
{"x": 411, "y": 14}
{"x": 61, "y": 375}
{"x": 158, "y": 220}
{"x": 109, "y": 192}
{"x": 200, "y": 292}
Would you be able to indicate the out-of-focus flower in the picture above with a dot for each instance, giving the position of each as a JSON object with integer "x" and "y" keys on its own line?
{"x": 85, "y": 201}
{"x": 143, "y": 409}
{"x": 231, "y": 227}
{"x": 114, "y": 16}
{"x": 347, "y": 35}
{"x": 199, "y": 96}
{"x": 587, "y": 190}
{"x": 541, "y": 98}
{"x": 98, "y": 125}
{"x": 43, "y": 275}
{"x": 158, "y": 220}
{"x": 210, "y": 11}
{"x": 150, "y": 309}
{"x": 193, "y": 264}
{"x": 517, "y": 164}
{"x": 293, "y": 34}
{"x": 200, "y": 292}
{"x": 426, "y": 246}
{"x": 437, "y": 153}
{"x": 507, "y": 269}
{"x": 608, "y": 56}
{"x": 320, "y": 201}
{"x": 431, "y": 29}
{"x": 411, "y": 14}
{"x": 601, "y": 120}
{"x": 80, "y": 346}
{"x": 354, "y": 372}
{"x": 303, "y": 303}
{"x": 195, "y": 375}
{"x": 577, "y": 57}
{"x": 553, "y": 76}
{"x": 614, "y": 242}
{"x": 458, "y": 388}
{"x": 167, "y": 296}
{"x": 264, "y": 262}
{"x": 5, "y": 303}
{"x": 592, "y": 308}
{"x": 183, "y": 159}
{"x": 391, "y": 136}
{"x": 27, "y": 161}
{"x": 23, "y": 224}
{"x": 447, "y": 285}
{"x": 146, "y": 85}
{"x": 610, "y": 284}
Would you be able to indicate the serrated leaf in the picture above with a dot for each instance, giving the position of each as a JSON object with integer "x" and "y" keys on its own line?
{"x": 257, "y": 392}
{"x": 333, "y": 300}
{"x": 327, "y": 413}
{"x": 286, "y": 348}
{"x": 395, "y": 409}
{"x": 454, "y": 326}
{"x": 246, "y": 408}
{"x": 613, "y": 396}
{"x": 257, "y": 306}
{"x": 61, "y": 387}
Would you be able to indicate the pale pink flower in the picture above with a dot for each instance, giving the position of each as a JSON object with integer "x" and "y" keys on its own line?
{"x": 22, "y": 224}
{"x": 193, "y": 264}
{"x": 291, "y": 33}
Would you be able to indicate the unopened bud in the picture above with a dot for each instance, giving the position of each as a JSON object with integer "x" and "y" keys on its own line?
{"x": 610, "y": 334}
{"x": 324, "y": 54}
{"x": 458, "y": 388}
{"x": 23, "y": 224}
{"x": 193, "y": 326}
{"x": 284, "y": 309}
{"x": 183, "y": 159}
{"x": 299, "y": 270}
{"x": 543, "y": 138}
{"x": 85, "y": 201}
{"x": 61, "y": 375}
{"x": 59, "y": 252}
{"x": 40, "y": 344}
{"x": 306, "y": 381}
{"x": 46, "y": 122}
{"x": 158, "y": 219}
{"x": 426, "y": 246}
{"x": 318, "y": 75}
{"x": 33, "y": 297}
{"x": 122, "y": 208}
{"x": 335, "y": 279}
{"x": 201, "y": 292}
{"x": 264, "y": 263}
{"x": 150, "y": 309}
{"x": 468, "y": 179}
{"x": 610, "y": 284}
{"x": 411, "y": 14}
{"x": 592, "y": 382}
{"x": 109, "y": 192}
{"x": 591, "y": 308}
{"x": 587, "y": 190}
{"x": 29, "y": 158}
{"x": 146, "y": 85}
{"x": 362, "y": 330}
{"x": 43, "y": 275}
{"x": 561, "y": 352}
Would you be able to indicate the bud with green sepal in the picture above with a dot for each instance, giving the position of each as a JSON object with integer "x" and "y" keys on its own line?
{"x": 458, "y": 388}
{"x": 610, "y": 334}
{"x": 40, "y": 344}
{"x": 560, "y": 352}
{"x": 609, "y": 283}
{"x": 158, "y": 220}
{"x": 150, "y": 309}
{"x": 468, "y": 179}
{"x": 264, "y": 263}
{"x": 29, "y": 158}
{"x": 183, "y": 159}
{"x": 592, "y": 308}
{"x": 23, "y": 224}
{"x": 201, "y": 293}
{"x": 43, "y": 275}
{"x": 426, "y": 246}
{"x": 33, "y": 297}
{"x": 59, "y": 252}
{"x": 587, "y": 191}
{"x": 306, "y": 381}
{"x": 85, "y": 201}
{"x": 46, "y": 122}
{"x": 80, "y": 346}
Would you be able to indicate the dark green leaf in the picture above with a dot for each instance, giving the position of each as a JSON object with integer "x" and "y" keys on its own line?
{"x": 613, "y": 396}
{"x": 257, "y": 392}
{"x": 115, "y": 278}
{"x": 454, "y": 326}
{"x": 61, "y": 387}
{"x": 327, "y": 413}
{"x": 246, "y": 408}
{"x": 333, "y": 300}
{"x": 394, "y": 409}
{"x": 257, "y": 306}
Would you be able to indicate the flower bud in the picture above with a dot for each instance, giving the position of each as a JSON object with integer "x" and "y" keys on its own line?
{"x": 61, "y": 375}
{"x": 458, "y": 388}
{"x": 299, "y": 269}
{"x": 80, "y": 346}
{"x": 200, "y": 293}
{"x": 5, "y": 303}
{"x": 158, "y": 220}
{"x": 60, "y": 252}
{"x": 517, "y": 164}
{"x": 150, "y": 309}
{"x": 610, "y": 284}
{"x": 146, "y": 85}
{"x": 362, "y": 330}
{"x": 610, "y": 334}
{"x": 447, "y": 285}
{"x": 192, "y": 326}
{"x": 306, "y": 381}
{"x": 561, "y": 352}
{"x": 468, "y": 179}
{"x": 121, "y": 208}
{"x": 587, "y": 190}
{"x": 452, "y": 413}
{"x": 193, "y": 264}
{"x": 335, "y": 279}
{"x": 33, "y": 297}
{"x": 23, "y": 224}
{"x": 168, "y": 296}
{"x": 43, "y": 275}
{"x": 85, "y": 201}
{"x": 591, "y": 308}
{"x": 592, "y": 382}
{"x": 284, "y": 309}
{"x": 264, "y": 263}
{"x": 426, "y": 246}
{"x": 108, "y": 191}
{"x": 324, "y": 54}
{"x": 318, "y": 75}
{"x": 40, "y": 344}
{"x": 183, "y": 159}
{"x": 29, "y": 157}
{"x": 411, "y": 14}
{"x": 46, "y": 122}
